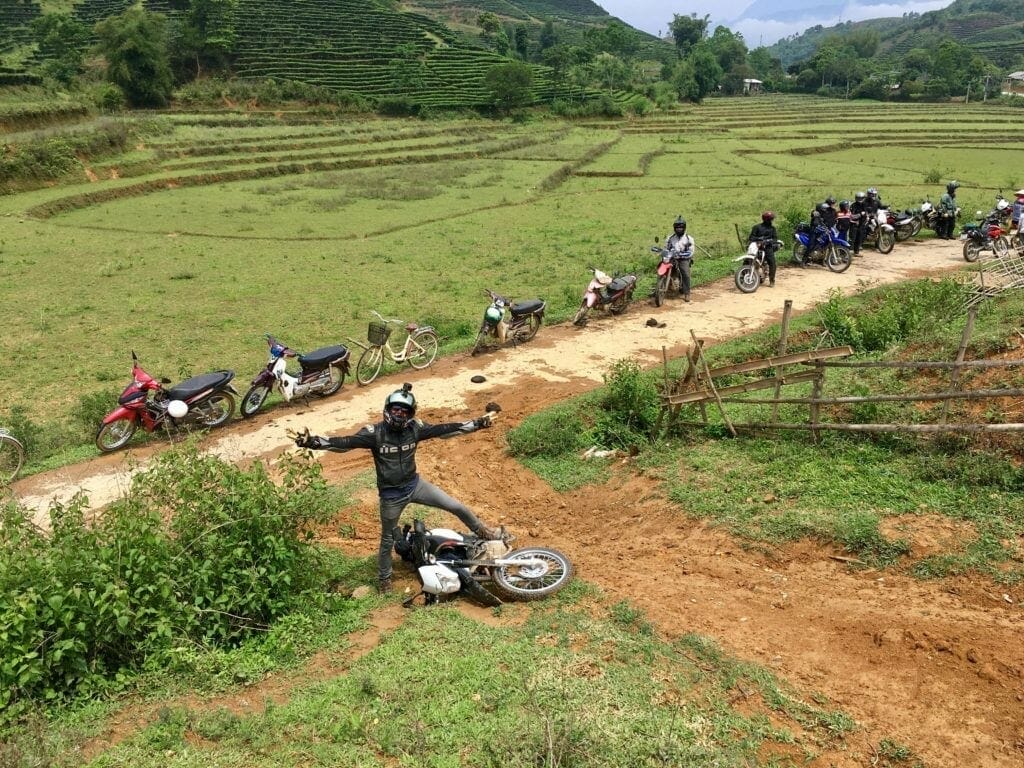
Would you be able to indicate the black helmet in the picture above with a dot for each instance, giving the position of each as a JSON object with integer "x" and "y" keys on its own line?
{"x": 399, "y": 407}
{"x": 768, "y": 217}
{"x": 679, "y": 225}
{"x": 952, "y": 186}
{"x": 830, "y": 200}
{"x": 821, "y": 207}
{"x": 860, "y": 196}
{"x": 844, "y": 205}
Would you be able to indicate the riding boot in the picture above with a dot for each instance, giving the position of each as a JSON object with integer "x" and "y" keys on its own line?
{"x": 384, "y": 586}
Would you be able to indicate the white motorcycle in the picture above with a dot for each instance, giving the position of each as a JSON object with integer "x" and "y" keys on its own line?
{"x": 322, "y": 373}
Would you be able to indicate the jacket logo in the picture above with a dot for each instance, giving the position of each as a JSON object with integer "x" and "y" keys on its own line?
{"x": 397, "y": 448}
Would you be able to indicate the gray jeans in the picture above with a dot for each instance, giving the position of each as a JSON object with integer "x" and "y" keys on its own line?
{"x": 429, "y": 496}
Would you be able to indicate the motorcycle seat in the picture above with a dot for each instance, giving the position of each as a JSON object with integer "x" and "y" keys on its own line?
{"x": 192, "y": 387}
{"x": 321, "y": 358}
{"x": 527, "y": 307}
{"x": 619, "y": 284}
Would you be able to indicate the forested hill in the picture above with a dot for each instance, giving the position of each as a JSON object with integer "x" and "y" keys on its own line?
{"x": 992, "y": 28}
{"x": 430, "y": 52}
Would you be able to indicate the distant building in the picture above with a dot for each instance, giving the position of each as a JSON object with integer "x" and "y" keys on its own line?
{"x": 752, "y": 86}
{"x": 1013, "y": 84}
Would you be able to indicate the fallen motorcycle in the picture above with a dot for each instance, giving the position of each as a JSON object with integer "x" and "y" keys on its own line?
{"x": 203, "y": 401}
{"x": 321, "y": 372}
{"x": 821, "y": 245}
{"x": 604, "y": 292}
{"x": 505, "y": 320}
{"x": 449, "y": 563}
{"x": 754, "y": 269}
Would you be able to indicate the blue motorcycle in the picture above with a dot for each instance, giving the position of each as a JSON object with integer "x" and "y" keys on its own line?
{"x": 821, "y": 245}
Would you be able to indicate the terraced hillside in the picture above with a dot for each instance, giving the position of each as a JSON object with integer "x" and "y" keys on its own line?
{"x": 15, "y": 38}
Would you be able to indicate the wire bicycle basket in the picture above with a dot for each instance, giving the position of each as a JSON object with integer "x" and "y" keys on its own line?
{"x": 377, "y": 333}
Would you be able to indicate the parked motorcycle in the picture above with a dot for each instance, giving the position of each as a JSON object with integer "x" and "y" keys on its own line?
{"x": 321, "y": 372}
{"x": 829, "y": 248}
{"x": 604, "y": 292}
{"x": 670, "y": 273}
{"x": 906, "y": 224}
{"x": 929, "y": 216}
{"x": 879, "y": 232}
{"x": 507, "y": 320}
{"x": 202, "y": 401}
{"x": 987, "y": 235}
{"x": 754, "y": 269}
{"x": 449, "y": 563}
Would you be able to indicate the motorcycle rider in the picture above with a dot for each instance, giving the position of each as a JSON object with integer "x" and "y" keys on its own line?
{"x": 822, "y": 217}
{"x": 393, "y": 442}
{"x": 766, "y": 233}
{"x": 681, "y": 246}
{"x": 844, "y": 219}
{"x": 873, "y": 203}
{"x": 947, "y": 212}
{"x": 859, "y": 221}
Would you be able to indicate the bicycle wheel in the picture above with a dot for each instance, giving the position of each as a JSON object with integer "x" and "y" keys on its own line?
{"x": 369, "y": 364}
{"x": 12, "y": 457}
{"x": 423, "y": 349}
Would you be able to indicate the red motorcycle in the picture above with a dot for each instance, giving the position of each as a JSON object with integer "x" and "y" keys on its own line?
{"x": 988, "y": 235}
{"x": 202, "y": 401}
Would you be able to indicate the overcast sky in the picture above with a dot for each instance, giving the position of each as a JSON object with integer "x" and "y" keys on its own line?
{"x": 654, "y": 16}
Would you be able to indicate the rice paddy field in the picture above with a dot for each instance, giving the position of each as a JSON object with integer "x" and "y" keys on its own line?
{"x": 215, "y": 227}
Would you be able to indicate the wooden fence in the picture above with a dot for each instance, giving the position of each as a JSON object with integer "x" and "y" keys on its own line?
{"x": 698, "y": 387}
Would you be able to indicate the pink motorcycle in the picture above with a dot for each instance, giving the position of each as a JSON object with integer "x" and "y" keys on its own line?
{"x": 604, "y": 292}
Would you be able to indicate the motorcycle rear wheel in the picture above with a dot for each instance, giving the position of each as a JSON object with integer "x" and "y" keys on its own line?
{"x": 915, "y": 227}
{"x": 216, "y": 410}
{"x": 886, "y": 242}
{"x": 838, "y": 258}
{"x": 1001, "y": 246}
{"x": 660, "y": 290}
{"x": 254, "y": 400}
{"x": 580, "y": 318}
{"x": 424, "y": 349}
{"x": 971, "y": 251}
{"x": 621, "y": 304}
{"x": 747, "y": 279}
{"x": 799, "y": 253}
{"x": 527, "y": 330}
{"x": 337, "y": 374}
{"x": 369, "y": 364}
{"x": 532, "y": 582}
{"x": 115, "y": 435}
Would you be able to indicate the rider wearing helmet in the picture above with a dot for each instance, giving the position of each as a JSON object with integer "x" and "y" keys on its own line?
{"x": 681, "y": 245}
{"x": 766, "y": 234}
{"x": 858, "y": 221}
{"x": 393, "y": 442}
{"x": 947, "y": 212}
{"x": 873, "y": 201}
{"x": 844, "y": 219}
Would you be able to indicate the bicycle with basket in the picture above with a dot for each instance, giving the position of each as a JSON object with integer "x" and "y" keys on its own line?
{"x": 419, "y": 349}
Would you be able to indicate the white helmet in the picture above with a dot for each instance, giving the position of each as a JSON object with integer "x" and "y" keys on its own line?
{"x": 1002, "y": 205}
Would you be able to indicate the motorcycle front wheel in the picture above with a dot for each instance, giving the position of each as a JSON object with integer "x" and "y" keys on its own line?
{"x": 337, "y": 374}
{"x": 1000, "y": 246}
{"x": 799, "y": 253}
{"x": 886, "y": 242}
{"x": 480, "y": 343}
{"x": 527, "y": 330}
{"x": 915, "y": 227}
{"x": 254, "y": 399}
{"x": 839, "y": 258}
{"x": 580, "y": 318}
{"x": 971, "y": 251}
{"x": 660, "y": 290}
{"x": 747, "y": 278}
{"x": 423, "y": 349}
{"x": 369, "y": 364}
{"x": 215, "y": 410}
{"x": 543, "y": 572}
{"x": 621, "y": 304}
{"x": 115, "y": 435}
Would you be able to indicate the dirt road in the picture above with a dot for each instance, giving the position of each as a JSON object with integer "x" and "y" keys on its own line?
{"x": 938, "y": 666}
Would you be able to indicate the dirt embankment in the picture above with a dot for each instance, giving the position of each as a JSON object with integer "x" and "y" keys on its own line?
{"x": 937, "y": 665}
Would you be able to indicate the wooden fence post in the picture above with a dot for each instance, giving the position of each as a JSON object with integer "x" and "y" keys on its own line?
{"x": 787, "y": 311}
{"x": 954, "y": 374}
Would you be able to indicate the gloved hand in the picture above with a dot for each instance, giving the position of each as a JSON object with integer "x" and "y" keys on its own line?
{"x": 305, "y": 440}
{"x": 482, "y": 422}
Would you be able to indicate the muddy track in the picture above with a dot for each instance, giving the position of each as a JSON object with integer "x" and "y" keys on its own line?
{"x": 939, "y": 666}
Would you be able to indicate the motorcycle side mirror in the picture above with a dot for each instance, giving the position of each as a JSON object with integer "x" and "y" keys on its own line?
{"x": 135, "y": 359}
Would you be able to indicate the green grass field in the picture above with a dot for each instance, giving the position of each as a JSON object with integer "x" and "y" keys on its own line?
{"x": 214, "y": 228}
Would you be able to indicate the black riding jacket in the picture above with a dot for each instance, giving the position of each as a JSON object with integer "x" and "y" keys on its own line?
{"x": 394, "y": 450}
{"x": 764, "y": 231}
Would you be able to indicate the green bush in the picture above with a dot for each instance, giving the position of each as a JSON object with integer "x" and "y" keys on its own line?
{"x": 200, "y": 553}
{"x": 88, "y": 414}
{"x": 397, "y": 106}
{"x": 629, "y": 407}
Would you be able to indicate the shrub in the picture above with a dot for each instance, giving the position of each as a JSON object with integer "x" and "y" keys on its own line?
{"x": 397, "y": 106}
{"x": 199, "y": 552}
{"x": 629, "y": 406}
{"x": 90, "y": 410}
